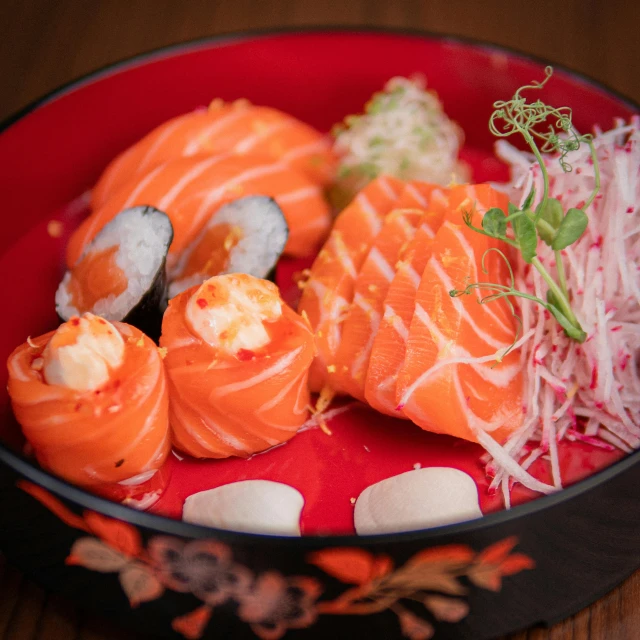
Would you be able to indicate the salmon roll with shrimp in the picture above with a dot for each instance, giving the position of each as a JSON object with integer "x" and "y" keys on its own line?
{"x": 121, "y": 275}
{"x": 237, "y": 362}
{"x": 92, "y": 401}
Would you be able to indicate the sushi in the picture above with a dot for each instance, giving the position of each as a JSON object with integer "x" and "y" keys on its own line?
{"x": 121, "y": 274}
{"x": 389, "y": 343}
{"x": 453, "y": 380}
{"x": 247, "y": 235}
{"x": 362, "y": 321}
{"x": 239, "y": 127}
{"x": 91, "y": 398}
{"x": 237, "y": 361}
{"x": 329, "y": 290}
{"x": 190, "y": 190}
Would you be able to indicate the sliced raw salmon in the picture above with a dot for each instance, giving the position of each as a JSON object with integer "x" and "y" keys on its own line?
{"x": 239, "y": 127}
{"x": 190, "y": 190}
{"x": 442, "y": 386}
{"x": 389, "y": 342}
{"x": 365, "y": 312}
{"x": 329, "y": 289}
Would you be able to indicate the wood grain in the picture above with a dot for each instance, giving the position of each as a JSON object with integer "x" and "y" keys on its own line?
{"x": 44, "y": 43}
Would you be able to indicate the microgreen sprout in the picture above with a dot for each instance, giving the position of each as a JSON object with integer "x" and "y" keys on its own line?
{"x": 546, "y": 130}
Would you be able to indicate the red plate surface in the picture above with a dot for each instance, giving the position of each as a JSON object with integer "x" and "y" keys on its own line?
{"x": 55, "y": 153}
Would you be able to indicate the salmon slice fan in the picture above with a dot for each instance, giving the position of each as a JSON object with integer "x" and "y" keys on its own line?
{"x": 451, "y": 381}
{"x": 329, "y": 289}
{"x": 239, "y": 127}
{"x": 365, "y": 312}
{"x": 390, "y": 341}
{"x": 190, "y": 190}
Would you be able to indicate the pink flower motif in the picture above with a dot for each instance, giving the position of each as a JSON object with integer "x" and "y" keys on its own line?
{"x": 204, "y": 568}
{"x": 276, "y": 603}
{"x": 413, "y": 627}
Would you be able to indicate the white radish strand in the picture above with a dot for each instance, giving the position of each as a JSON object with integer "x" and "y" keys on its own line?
{"x": 586, "y": 392}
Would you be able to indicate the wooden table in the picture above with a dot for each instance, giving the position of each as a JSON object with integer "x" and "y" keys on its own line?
{"x": 44, "y": 43}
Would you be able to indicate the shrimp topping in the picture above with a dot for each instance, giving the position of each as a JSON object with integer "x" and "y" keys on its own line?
{"x": 229, "y": 312}
{"x": 82, "y": 353}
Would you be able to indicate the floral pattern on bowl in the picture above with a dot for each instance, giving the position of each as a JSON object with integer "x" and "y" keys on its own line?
{"x": 272, "y": 603}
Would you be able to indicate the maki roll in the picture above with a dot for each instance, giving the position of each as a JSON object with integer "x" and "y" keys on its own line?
{"x": 91, "y": 398}
{"x": 247, "y": 235}
{"x": 121, "y": 274}
{"x": 237, "y": 364}
{"x": 191, "y": 189}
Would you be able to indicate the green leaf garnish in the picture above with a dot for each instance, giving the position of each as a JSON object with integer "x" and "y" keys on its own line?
{"x": 526, "y": 236}
{"x": 494, "y": 223}
{"x": 571, "y": 228}
{"x": 569, "y": 328}
{"x": 546, "y": 130}
{"x": 529, "y": 199}
{"x": 549, "y": 219}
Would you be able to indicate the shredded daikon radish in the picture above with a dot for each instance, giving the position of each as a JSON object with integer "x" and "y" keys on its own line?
{"x": 404, "y": 132}
{"x": 586, "y": 392}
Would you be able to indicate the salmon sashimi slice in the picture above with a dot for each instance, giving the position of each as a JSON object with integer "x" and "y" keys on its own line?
{"x": 329, "y": 289}
{"x": 190, "y": 190}
{"x": 451, "y": 380}
{"x": 376, "y": 273}
{"x": 239, "y": 127}
{"x": 95, "y": 414}
{"x": 365, "y": 312}
{"x": 237, "y": 362}
{"x": 390, "y": 341}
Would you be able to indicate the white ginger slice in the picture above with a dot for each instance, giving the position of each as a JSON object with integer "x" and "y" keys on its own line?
{"x": 415, "y": 500}
{"x": 251, "y": 506}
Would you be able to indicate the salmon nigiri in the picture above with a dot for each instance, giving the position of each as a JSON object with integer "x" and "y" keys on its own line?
{"x": 389, "y": 342}
{"x": 92, "y": 401}
{"x": 329, "y": 289}
{"x": 237, "y": 361}
{"x": 453, "y": 380}
{"x": 190, "y": 190}
{"x": 237, "y": 126}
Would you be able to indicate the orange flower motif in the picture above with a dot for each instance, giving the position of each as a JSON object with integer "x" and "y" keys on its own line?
{"x": 446, "y": 609}
{"x": 495, "y": 562}
{"x": 353, "y": 566}
{"x": 431, "y": 576}
{"x": 193, "y": 624}
{"x": 413, "y": 627}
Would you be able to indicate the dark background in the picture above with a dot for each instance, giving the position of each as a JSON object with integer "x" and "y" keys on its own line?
{"x": 44, "y": 43}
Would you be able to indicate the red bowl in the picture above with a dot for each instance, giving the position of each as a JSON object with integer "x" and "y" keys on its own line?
{"x": 459, "y": 581}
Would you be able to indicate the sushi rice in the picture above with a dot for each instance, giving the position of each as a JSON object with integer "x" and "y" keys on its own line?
{"x": 143, "y": 236}
{"x": 263, "y": 234}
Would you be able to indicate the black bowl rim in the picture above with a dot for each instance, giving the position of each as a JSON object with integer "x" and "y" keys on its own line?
{"x": 165, "y": 525}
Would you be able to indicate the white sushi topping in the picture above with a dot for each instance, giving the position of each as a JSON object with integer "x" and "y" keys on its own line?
{"x": 229, "y": 312}
{"x": 252, "y": 506}
{"x": 82, "y": 352}
{"x": 404, "y": 132}
{"x": 417, "y": 499}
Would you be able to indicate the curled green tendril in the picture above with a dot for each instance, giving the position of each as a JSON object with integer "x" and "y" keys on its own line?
{"x": 519, "y": 116}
